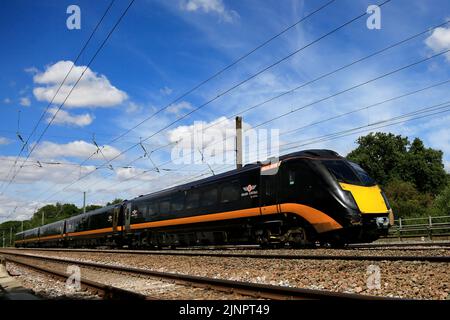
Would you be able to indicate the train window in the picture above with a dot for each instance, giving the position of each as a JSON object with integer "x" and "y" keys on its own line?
{"x": 152, "y": 208}
{"x": 363, "y": 175}
{"x": 192, "y": 199}
{"x": 142, "y": 209}
{"x": 177, "y": 201}
{"x": 230, "y": 192}
{"x": 164, "y": 206}
{"x": 341, "y": 171}
{"x": 209, "y": 197}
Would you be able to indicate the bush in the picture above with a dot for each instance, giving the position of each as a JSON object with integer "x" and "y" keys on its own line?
{"x": 441, "y": 205}
{"x": 406, "y": 201}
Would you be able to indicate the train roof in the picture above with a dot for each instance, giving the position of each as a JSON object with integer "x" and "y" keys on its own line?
{"x": 52, "y": 224}
{"x": 29, "y": 230}
{"x": 311, "y": 153}
{"x": 93, "y": 212}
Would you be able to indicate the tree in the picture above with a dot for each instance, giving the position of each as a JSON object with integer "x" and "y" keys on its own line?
{"x": 424, "y": 167}
{"x": 388, "y": 157}
{"x": 92, "y": 207}
{"x": 441, "y": 205}
{"x": 115, "y": 201}
{"x": 405, "y": 200}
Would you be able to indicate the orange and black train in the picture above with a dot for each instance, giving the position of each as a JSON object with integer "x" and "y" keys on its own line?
{"x": 301, "y": 199}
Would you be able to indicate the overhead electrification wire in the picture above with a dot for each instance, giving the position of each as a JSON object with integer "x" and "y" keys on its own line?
{"x": 140, "y": 174}
{"x": 377, "y": 52}
{"x": 216, "y": 74}
{"x": 309, "y": 104}
{"x": 60, "y": 86}
{"x": 73, "y": 87}
{"x": 418, "y": 114}
{"x": 296, "y": 130}
{"x": 436, "y": 110}
{"x": 236, "y": 86}
{"x": 429, "y": 111}
{"x": 222, "y": 70}
{"x": 386, "y": 49}
{"x": 359, "y": 85}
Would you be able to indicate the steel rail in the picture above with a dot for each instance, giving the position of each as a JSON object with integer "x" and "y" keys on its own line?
{"x": 400, "y": 244}
{"x": 422, "y": 258}
{"x": 258, "y": 290}
{"x": 107, "y": 292}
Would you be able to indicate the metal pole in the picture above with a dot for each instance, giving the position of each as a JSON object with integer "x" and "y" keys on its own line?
{"x": 10, "y": 236}
{"x": 430, "y": 226}
{"x": 238, "y": 142}
{"x": 22, "y": 225}
{"x": 42, "y": 218}
{"x": 3, "y": 245}
{"x": 84, "y": 202}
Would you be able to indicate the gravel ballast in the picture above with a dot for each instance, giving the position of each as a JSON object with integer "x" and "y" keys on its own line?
{"x": 413, "y": 280}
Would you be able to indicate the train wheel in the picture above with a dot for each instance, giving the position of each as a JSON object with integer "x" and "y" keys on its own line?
{"x": 300, "y": 238}
{"x": 337, "y": 244}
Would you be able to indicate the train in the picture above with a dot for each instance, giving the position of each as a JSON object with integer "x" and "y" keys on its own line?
{"x": 307, "y": 198}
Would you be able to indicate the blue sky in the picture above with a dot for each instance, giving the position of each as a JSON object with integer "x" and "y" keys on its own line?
{"x": 162, "y": 49}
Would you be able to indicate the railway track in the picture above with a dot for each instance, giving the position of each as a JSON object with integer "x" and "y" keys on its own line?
{"x": 423, "y": 258}
{"x": 107, "y": 292}
{"x": 437, "y": 244}
{"x": 257, "y": 290}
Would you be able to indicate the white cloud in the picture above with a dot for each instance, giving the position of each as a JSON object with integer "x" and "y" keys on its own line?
{"x": 439, "y": 41}
{"x": 77, "y": 149}
{"x": 4, "y": 141}
{"x": 177, "y": 108}
{"x": 215, "y": 140}
{"x": 207, "y": 6}
{"x": 440, "y": 139}
{"x": 32, "y": 70}
{"x": 133, "y": 108}
{"x": 7, "y": 101}
{"x": 25, "y": 102}
{"x": 64, "y": 117}
{"x": 12, "y": 208}
{"x": 91, "y": 91}
{"x": 134, "y": 174}
{"x": 165, "y": 91}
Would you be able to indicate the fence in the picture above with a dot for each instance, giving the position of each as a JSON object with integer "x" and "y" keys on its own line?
{"x": 420, "y": 227}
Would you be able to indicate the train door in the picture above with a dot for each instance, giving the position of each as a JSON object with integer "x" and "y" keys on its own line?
{"x": 115, "y": 220}
{"x": 269, "y": 185}
{"x": 127, "y": 217}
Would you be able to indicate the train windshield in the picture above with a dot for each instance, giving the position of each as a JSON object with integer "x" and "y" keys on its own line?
{"x": 348, "y": 172}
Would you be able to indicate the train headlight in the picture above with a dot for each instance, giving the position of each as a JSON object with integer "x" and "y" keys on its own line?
{"x": 382, "y": 222}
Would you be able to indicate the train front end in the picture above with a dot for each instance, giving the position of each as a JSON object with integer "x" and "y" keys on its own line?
{"x": 365, "y": 212}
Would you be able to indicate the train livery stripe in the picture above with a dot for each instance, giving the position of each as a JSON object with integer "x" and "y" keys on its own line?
{"x": 320, "y": 221}
{"x": 95, "y": 231}
{"x": 72, "y": 234}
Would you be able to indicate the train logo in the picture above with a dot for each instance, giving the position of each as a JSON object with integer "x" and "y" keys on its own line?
{"x": 249, "y": 188}
{"x": 250, "y": 191}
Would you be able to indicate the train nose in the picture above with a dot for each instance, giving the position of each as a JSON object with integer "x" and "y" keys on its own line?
{"x": 368, "y": 199}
